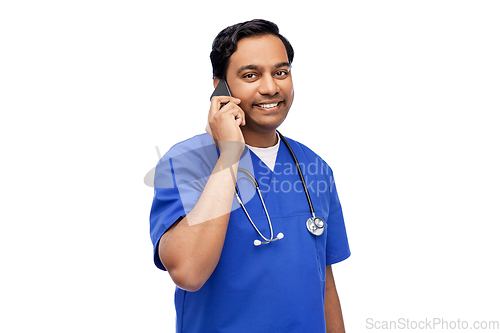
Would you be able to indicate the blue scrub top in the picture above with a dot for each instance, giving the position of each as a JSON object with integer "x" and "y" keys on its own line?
{"x": 276, "y": 287}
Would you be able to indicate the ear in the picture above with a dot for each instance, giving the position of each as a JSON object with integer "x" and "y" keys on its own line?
{"x": 216, "y": 81}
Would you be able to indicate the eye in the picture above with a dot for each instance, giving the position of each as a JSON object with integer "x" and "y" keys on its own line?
{"x": 249, "y": 76}
{"x": 282, "y": 73}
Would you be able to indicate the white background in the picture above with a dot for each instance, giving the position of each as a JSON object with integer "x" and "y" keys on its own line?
{"x": 401, "y": 98}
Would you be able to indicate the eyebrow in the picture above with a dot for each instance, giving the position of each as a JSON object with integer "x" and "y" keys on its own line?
{"x": 255, "y": 67}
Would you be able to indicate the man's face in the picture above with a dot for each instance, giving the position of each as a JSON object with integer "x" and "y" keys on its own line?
{"x": 259, "y": 75}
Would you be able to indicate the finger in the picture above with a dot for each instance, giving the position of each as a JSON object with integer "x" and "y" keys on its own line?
{"x": 241, "y": 118}
{"x": 233, "y": 110}
{"x": 226, "y": 99}
{"x": 237, "y": 112}
{"x": 239, "y": 115}
{"x": 218, "y": 102}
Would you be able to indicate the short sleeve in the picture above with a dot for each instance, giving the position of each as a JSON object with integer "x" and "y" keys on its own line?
{"x": 167, "y": 206}
{"x": 337, "y": 247}
{"x": 180, "y": 177}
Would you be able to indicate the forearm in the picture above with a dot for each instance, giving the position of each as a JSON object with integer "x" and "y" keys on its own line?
{"x": 333, "y": 311}
{"x": 191, "y": 250}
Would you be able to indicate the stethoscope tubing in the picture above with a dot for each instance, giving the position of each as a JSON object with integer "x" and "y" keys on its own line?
{"x": 314, "y": 224}
{"x": 304, "y": 185}
{"x": 254, "y": 181}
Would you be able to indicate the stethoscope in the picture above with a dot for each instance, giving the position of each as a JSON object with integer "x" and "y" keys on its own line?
{"x": 314, "y": 224}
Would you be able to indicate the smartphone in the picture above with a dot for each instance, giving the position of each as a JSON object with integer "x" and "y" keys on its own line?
{"x": 222, "y": 89}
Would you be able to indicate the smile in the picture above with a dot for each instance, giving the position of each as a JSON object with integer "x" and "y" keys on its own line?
{"x": 268, "y": 106}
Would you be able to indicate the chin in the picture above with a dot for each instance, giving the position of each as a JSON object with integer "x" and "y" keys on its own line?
{"x": 270, "y": 125}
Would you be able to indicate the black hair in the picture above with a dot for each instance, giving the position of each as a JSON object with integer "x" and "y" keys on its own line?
{"x": 225, "y": 43}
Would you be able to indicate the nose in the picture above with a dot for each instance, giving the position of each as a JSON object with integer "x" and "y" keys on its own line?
{"x": 268, "y": 86}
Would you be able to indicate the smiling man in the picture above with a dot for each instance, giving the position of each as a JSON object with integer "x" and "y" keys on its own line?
{"x": 219, "y": 244}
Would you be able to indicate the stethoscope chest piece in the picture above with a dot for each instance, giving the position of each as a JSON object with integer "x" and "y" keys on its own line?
{"x": 315, "y": 225}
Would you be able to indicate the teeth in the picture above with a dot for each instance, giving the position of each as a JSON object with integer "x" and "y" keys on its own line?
{"x": 267, "y": 105}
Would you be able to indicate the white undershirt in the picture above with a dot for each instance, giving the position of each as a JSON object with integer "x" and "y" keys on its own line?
{"x": 267, "y": 155}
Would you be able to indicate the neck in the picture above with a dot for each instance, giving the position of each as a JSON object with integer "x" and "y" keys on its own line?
{"x": 261, "y": 140}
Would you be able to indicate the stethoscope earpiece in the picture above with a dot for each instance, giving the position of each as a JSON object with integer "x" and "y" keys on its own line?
{"x": 258, "y": 242}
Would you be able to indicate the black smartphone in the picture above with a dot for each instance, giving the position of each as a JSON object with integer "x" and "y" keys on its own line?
{"x": 222, "y": 89}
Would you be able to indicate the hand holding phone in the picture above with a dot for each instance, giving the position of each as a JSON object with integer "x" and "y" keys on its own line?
{"x": 225, "y": 116}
